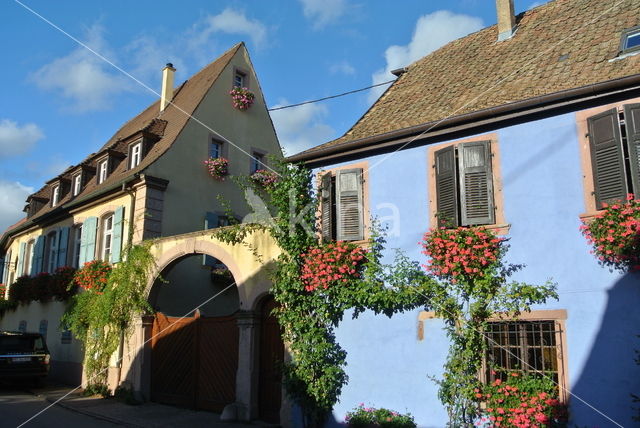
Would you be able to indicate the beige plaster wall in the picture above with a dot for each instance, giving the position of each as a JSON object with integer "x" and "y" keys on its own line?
{"x": 191, "y": 191}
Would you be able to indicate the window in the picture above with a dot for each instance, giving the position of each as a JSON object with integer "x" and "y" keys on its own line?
{"x": 532, "y": 344}
{"x": 76, "y": 184}
{"x": 28, "y": 257}
{"x": 51, "y": 252}
{"x": 107, "y": 237}
{"x": 464, "y": 184}
{"x": 135, "y": 154}
{"x": 55, "y": 195}
{"x": 257, "y": 161}
{"x": 7, "y": 267}
{"x": 103, "y": 170}
{"x": 215, "y": 149}
{"x": 342, "y": 209}
{"x": 77, "y": 241}
{"x": 630, "y": 40}
{"x": 240, "y": 79}
{"x": 614, "y": 144}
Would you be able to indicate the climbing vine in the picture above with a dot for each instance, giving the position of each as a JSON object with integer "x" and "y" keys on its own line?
{"x": 473, "y": 286}
{"x": 101, "y": 315}
{"x": 316, "y": 283}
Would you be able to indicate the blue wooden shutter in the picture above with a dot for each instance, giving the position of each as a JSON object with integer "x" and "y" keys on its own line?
{"x": 88, "y": 241}
{"x": 20, "y": 267}
{"x": 476, "y": 183}
{"x": 116, "y": 240}
{"x": 349, "y": 205}
{"x": 607, "y": 159}
{"x": 63, "y": 244}
{"x": 210, "y": 222}
{"x": 38, "y": 256}
{"x": 632, "y": 121}
{"x": 3, "y": 260}
{"x": 446, "y": 187}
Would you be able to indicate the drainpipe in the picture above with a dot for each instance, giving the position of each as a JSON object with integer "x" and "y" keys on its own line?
{"x": 128, "y": 190}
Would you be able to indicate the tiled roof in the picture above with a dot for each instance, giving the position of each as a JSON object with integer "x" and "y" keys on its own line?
{"x": 561, "y": 45}
{"x": 165, "y": 127}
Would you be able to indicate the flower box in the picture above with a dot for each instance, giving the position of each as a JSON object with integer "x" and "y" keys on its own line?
{"x": 263, "y": 178}
{"x": 218, "y": 167}
{"x": 242, "y": 98}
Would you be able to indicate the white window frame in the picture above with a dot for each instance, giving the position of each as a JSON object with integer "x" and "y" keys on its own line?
{"x": 135, "y": 154}
{"x": 76, "y": 184}
{"x": 55, "y": 195}
{"x": 52, "y": 239}
{"x": 7, "y": 266}
{"x": 106, "y": 240}
{"x": 26, "y": 269}
{"x": 103, "y": 170}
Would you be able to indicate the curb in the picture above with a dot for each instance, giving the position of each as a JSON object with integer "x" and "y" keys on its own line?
{"x": 92, "y": 414}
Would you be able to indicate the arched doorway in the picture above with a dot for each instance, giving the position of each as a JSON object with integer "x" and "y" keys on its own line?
{"x": 194, "y": 345}
{"x": 271, "y": 358}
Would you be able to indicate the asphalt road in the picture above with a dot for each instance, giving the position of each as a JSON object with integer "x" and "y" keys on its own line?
{"x": 18, "y": 404}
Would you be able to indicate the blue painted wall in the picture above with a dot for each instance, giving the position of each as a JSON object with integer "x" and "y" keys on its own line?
{"x": 543, "y": 198}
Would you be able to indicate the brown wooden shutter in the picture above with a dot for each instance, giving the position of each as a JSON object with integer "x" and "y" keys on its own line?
{"x": 446, "y": 187}
{"x": 326, "y": 207}
{"x": 632, "y": 123}
{"x": 607, "y": 159}
{"x": 349, "y": 205}
{"x": 476, "y": 183}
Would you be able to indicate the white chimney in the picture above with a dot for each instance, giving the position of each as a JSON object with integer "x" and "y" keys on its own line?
{"x": 506, "y": 19}
{"x": 167, "y": 86}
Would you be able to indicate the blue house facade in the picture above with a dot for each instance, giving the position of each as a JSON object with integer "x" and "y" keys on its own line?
{"x": 527, "y": 133}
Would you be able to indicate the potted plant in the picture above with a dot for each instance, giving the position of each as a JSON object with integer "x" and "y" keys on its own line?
{"x": 263, "y": 178}
{"x": 218, "y": 167}
{"x": 242, "y": 98}
{"x": 615, "y": 235}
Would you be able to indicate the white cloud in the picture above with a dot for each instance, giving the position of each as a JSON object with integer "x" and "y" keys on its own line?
{"x": 84, "y": 79}
{"x": 432, "y": 31}
{"x": 323, "y": 12}
{"x": 12, "y": 201}
{"x": 342, "y": 67}
{"x": 300, "y": 128}
{"x": 16, "y": 139}
{"x": 231, "y": 21}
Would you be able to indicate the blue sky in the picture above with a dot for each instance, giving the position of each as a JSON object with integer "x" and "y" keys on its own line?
{"x": 60, "y": 102}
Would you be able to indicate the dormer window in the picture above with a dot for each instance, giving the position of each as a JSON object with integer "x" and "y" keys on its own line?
{"x": 76, "y": 184}
{"x": 135, "y": 154}
{"x": 630, "y": 41}
{"x": 55, "y": 195}
{"x": 103, "y": 170}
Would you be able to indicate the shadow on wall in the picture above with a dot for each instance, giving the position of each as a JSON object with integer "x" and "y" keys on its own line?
{"x": 610, "y": 373}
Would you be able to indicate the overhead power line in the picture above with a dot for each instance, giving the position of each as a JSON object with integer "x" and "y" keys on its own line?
{"x": 332, "y": 96}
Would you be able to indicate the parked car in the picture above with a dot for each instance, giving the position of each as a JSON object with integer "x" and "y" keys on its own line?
{"x": 23, "y": 356}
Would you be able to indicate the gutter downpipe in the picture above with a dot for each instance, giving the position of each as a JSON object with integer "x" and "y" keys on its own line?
{"x": 132, "y": 194}
{"x": 589, "y": 90}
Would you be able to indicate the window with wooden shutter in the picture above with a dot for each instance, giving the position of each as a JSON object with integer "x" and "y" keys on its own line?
{"x": 632, "y": 127}
{"x": 446, "y": 187}
{"x": 349, "y": 205}
{"x": 607, "y": 158}
{"x": 464, "y": 193}
{"x": 327, "y": 207}
{"x": 476, "y": 183}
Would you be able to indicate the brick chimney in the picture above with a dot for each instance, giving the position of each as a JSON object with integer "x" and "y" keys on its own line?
{"x": 167, "y": 86}
{"x": 506, "y": 19}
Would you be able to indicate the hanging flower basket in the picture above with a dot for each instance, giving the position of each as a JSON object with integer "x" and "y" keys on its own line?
{"x": 460, "y": 255}
{"x": 264, "y": 178}
{"x": 218, "y": 167}
{"x": 615, "y": 235}
{"x": 93, "y": 276}
{"x": 242, "y": 98}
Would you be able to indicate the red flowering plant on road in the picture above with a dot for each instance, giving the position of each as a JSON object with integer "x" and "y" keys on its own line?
{"x": 93, "y": 276}
{"x": 615, "y": 235}
{"x": 522, "y": 401}
{"x": 332, "y": 264}
{"x": 463, "y": 254}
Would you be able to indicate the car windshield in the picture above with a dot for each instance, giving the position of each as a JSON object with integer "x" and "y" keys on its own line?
{"x": 16, "y": 344}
